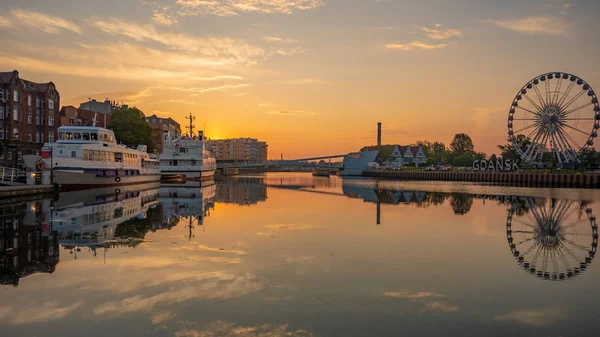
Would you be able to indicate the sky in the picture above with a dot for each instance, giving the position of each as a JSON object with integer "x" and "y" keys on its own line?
{"x": 310, "y": 77}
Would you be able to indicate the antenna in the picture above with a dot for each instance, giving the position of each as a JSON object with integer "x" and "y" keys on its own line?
{"x": 191, "y": 126}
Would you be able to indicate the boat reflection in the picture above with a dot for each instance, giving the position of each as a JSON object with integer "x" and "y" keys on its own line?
{"x": 92, "y": 223}
{"x": 189, "y": 203}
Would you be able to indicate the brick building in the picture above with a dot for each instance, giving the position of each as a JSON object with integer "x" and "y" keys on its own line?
{"x": 239, "y": 150}
{"x": 70, "y": 115}
{"x": 161, "y": 127}
{"x": 29, "y": 116}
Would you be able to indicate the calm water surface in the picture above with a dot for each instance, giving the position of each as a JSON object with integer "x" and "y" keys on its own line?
{"x": 293, "y": 255}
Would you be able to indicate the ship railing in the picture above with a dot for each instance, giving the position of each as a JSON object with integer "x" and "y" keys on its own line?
{"x": 8, "y": 174}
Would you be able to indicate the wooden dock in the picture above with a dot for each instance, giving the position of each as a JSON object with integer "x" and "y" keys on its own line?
{"x": 25, "y": 190}
{"x": 525, "y": 179}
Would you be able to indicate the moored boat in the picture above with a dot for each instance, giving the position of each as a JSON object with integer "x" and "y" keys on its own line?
{"x": 89, "y": 157}
{"x": 187, "y": 157}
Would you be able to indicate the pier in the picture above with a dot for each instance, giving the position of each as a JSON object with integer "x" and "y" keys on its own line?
{"x": 524, "y": 179}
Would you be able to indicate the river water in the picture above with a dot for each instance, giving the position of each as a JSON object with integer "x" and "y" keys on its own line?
{"x": 294, "y": 255}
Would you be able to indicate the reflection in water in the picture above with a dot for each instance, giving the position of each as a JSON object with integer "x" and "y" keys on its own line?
{"x": 27, "y": 243}
{"x": 188, "y": 203}
{"x": 552, "y": 239}
{"x": 439, "y": 263}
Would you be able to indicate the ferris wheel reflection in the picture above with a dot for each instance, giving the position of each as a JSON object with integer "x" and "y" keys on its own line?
{"x": 552, "y": 239}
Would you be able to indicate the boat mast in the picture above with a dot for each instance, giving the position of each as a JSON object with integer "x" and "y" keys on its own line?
{"x": 191, "y": 126}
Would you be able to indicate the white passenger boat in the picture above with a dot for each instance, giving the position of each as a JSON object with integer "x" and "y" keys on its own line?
{"x": 187, "y": 157}
{"x": 89, "y": 157}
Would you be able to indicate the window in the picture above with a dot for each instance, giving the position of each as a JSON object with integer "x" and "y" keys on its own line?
{"x": 37, "y": 102}
{"x": 16, "y": 114}
{"x": 15, "y": 133}
{"x": 20, "y": 155}
{"x": 1, "y": 93}
{"x": 71, "y": 120}
{"x": 37, "y": 137}
{"x": 29, "y": 117}
{"x": 37, "y": 119}
{"x": 51, "y": 137}
{"x": 9, "y": 155}
{"x": 73, "y": 154}
{"x": 1, "y": 134}
{"x": 51, "y": 120}
{"x": 77, "y": 135}
{"x": 29, "y": 100}
{"x": 93, "y": 136}
{"x": 42, "y": 137}
{"x": 29, "y": 136}
{"x": 51, "y": 104}
{"x": 1, "y": 112}
{"x": 16, "y": 96}
{"x": 85, "y": 136}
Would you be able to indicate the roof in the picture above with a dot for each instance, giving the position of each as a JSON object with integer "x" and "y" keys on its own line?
{"x": 414, "y": 150}
{"x": 6, "y": 77}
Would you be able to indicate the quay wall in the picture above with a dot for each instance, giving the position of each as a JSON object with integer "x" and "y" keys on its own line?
{"x": 525, "y": 179}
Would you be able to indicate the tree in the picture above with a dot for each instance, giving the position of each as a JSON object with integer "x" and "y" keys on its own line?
{"x": 131, "y": 128}
{"x": 463, "y": 160}
{"x": 461, "y": 203}
{"x": 462, "y": 144}
{"x": 508, "y": 150}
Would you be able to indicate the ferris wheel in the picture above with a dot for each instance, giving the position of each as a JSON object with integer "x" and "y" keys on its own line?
{"x": 554, "y": 113}
{"x": 554, "y": 240}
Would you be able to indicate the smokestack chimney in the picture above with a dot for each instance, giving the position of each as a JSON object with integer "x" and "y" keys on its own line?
{"x": 379, "y": 134}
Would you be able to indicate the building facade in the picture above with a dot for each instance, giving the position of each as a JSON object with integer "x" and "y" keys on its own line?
{"x": 403, "y": 155}
{"x": 239, "y": 150}
{"x": 162, "y": 127}
{"x": 70, "y": 115}
{"x": 29, "y": 117}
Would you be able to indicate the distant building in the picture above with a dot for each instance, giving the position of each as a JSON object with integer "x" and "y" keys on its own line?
{"x": 244, "y": 191}
{"x": 103, "y": 107}
{"x": 162, "y": 127}
{"x": 29, "y": 117}
{"x": 70, "y": 115}
{"x": 401, "y": 155}
{"x": 239, "y": 150}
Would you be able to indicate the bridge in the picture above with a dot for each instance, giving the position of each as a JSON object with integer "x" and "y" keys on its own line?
{"x": 303, "y": 162}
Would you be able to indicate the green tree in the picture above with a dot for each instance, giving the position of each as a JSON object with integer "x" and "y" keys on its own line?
{"x": 463, "y": 160}
{"x": 461, "y": 203}
{"x": 462, "y": 144}
{"x": 508, "y": 150}
{"x": 131, "y": 128}
{"x": 590, "y": 159}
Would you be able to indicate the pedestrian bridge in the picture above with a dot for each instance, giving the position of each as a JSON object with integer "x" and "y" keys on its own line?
{"x": 302, "y": 162}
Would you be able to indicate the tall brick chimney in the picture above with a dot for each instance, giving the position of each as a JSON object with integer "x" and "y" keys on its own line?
{"x": 379, "y": 134}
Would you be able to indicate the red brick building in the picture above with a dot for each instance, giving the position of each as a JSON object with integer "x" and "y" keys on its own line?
{"x": 29, "y": 117}
{"x": 70, "y": 115}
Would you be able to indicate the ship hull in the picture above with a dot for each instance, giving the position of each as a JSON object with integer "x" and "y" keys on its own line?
{"x": 356, "y": 163}
{"x": 75, "y": 180}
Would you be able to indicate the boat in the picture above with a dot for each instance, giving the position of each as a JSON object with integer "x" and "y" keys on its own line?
{"x": 187, "y": 158}
{"x": 87, "y": 157}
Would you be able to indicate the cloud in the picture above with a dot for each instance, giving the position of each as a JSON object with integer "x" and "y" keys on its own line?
{"x": 305, "y": 80}
{"x": 416, "y": 45}
{"x": 439, "y": 33}
{"x": 161, "y": 14}
{"x": 161, "y": 317}
{"x": 440, "y": 306}
{"x": 532, "y": 317}
{"x": 236, "y": 7}
{"x": 45, "y": 312}
{"x": 4, "y": 22}
{"x": 219, "y": 51}
{"x": 220, "y": 328}
{"x": 278, "y": 39}
{"x": 537, "y": 25}
{"x": 291, "y": 227}
{"x": 47, "y": 23}
{"x": 411, "y": 295}
{"x": 216, "y": 78}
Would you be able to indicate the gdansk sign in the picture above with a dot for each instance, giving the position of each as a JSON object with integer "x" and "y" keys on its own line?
{"x": 497, "y": 165}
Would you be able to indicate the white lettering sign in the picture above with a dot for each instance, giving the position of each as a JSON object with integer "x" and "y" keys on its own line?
{"x": 500, "y": 165}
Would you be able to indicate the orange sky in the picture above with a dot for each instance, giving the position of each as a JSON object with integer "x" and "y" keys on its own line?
{"x": 310, "y": 77}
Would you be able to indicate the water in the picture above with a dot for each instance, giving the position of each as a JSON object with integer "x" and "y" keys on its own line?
{"x": 293, "y": 255}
